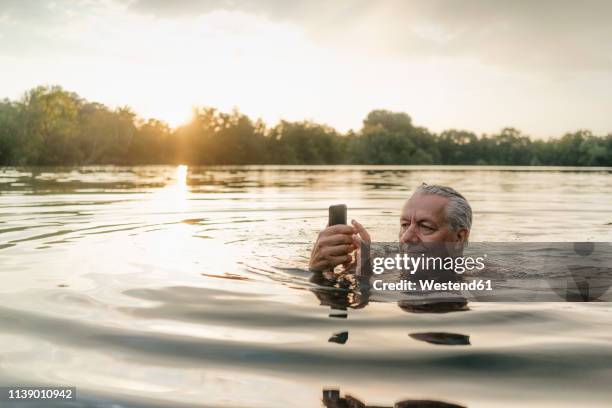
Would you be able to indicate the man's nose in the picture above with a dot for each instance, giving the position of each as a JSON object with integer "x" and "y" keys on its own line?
{"x": 410, "y": 235}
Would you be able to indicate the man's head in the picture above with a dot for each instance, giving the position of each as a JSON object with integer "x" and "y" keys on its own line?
{"x": 435, "y": 214}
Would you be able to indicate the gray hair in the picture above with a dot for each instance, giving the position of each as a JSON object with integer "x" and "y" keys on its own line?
{"x": 458, "y": 210}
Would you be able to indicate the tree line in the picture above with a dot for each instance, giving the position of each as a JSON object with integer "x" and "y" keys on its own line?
{"x": 51, "y": 126}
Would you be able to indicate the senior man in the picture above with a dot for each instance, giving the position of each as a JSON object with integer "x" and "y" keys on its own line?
{"x": 433, "y": 214}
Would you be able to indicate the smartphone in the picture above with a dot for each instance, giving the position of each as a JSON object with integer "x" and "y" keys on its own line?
{"x": 337, "y": 214}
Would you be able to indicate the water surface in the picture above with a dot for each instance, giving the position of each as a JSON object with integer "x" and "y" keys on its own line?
{"x": 174, "y": 286}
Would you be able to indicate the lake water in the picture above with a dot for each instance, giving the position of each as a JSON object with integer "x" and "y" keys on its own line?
{"x": 173, "y": 286}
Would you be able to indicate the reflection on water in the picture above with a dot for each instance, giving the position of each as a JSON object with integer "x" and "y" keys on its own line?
{"x": 443, "y": 306}
{"x": 448, "y": 339}
{"x": 175, "y": 286}
{"x": 332, "y": 399}
{"x": 339, "y": 338}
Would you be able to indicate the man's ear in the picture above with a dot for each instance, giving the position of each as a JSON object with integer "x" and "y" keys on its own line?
{"x": 463, "y": 234}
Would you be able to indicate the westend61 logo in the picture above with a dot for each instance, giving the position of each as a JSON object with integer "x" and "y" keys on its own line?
{"x": 491, "y": 271}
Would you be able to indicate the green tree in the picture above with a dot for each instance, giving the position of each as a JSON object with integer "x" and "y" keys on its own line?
{"x": 51, "y": 126}
{"x": 152, "y": 144}
{"x": 459, "y": 147}
{"x": 306, "y": 143}
{"x": 105, "y": 135}
{"x": 48, "y": 127}
{"x": 9, "y": 124}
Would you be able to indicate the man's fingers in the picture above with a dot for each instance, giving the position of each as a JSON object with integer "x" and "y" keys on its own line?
{"x": 339, "y": 229}
{"x": 338, "y": 260}
{"x": 336, "y": 239}
{"x": 348, "y": 262}
{"x": 361, "y": 231}
{"x": 334, "y": 245}
{"x": 337, "y": 250}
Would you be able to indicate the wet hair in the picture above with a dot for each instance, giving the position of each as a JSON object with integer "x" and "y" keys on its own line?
{"x": 458, "y": 210}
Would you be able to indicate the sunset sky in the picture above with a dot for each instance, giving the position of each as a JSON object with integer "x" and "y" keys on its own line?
{"x": 544, "y": 67}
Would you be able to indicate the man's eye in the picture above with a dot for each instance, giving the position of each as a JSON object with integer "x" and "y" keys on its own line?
{"x": 427, "y": 227}
{"x": 405, "y": 225}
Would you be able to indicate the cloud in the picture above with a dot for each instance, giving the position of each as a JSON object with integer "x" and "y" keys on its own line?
{"x": 479, "y": 65}
{"x": 557, "y": 36}
{"x": 546, "y": 36}
{"x": 37, "y": 28}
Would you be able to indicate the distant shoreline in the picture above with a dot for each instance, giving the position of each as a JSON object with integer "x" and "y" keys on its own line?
{"x": 327, "y": 167}
{"x": 51, "y": 126}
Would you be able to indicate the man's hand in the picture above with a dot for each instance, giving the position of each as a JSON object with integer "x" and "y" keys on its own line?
{"x": 335, "y": 244}
{"x": 332, "y": 248}
{"x": 362, "y": 241}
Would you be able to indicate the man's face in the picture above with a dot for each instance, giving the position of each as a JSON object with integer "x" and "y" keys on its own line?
{"x": 424, "y": 220}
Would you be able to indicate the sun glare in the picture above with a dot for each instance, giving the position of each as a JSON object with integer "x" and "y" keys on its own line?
{"x": 177, "y": 113}
{"x": 181, "y": 176}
